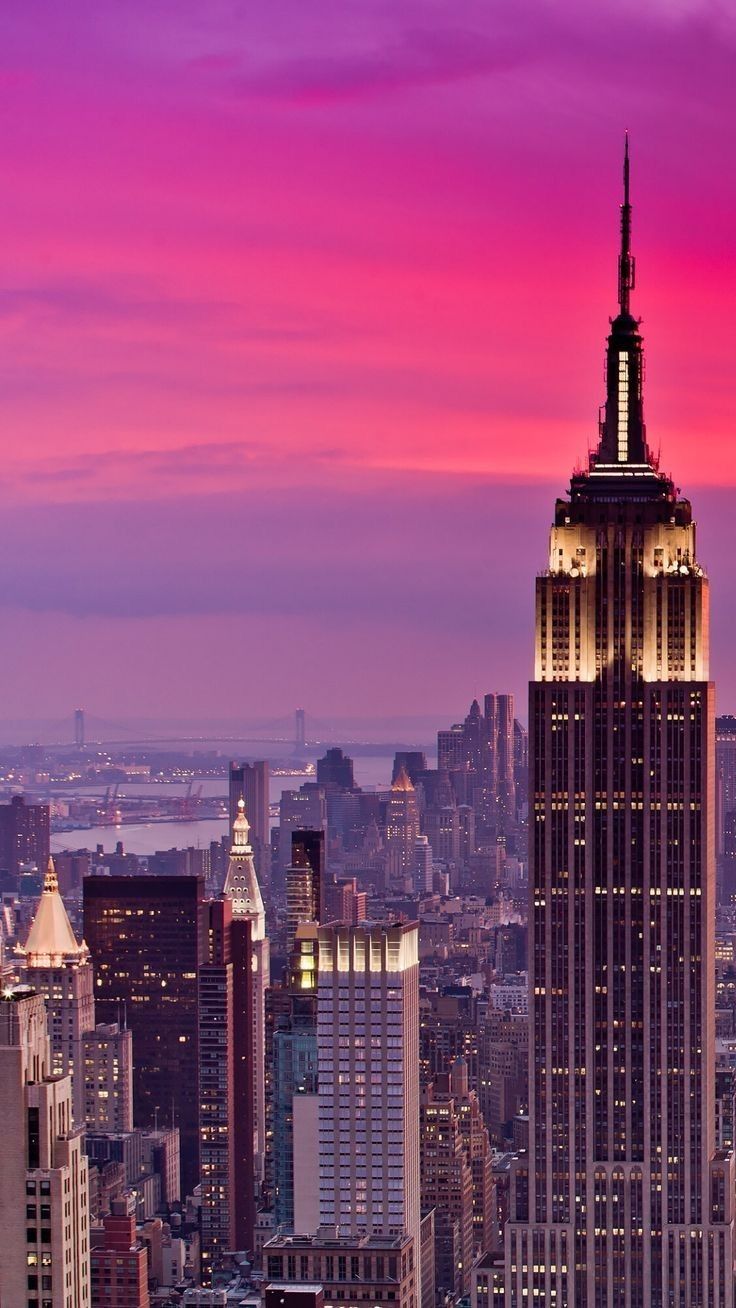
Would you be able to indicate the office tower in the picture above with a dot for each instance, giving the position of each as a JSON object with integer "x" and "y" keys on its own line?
{"x": 498, "y": 712}
{"x": 161, "y": 1154}
{"x": 145, "y": 936}
{"x": 368, "y": 1050}
{"x": 60, "y": 969}
{"x": 304, "y": 882}
{"x": 71, "y": 869}
{"x": 624, "y": 1200}
{"x": 250, "y": 782}
{"x": 447, "y": 1187}
{"x": 478, "y": 1146}
{"x": 451, "y": 752}
{"x": 521, "y": 764}
{"x": 119, "y": 1259}
{"x": 44, "y": 1250}
{"x": 227, "y": 1082}
{"x": 449, "y": 1030}
{"x": 343, "y": 902}
{"x": 479, "y": 757}
{"x": 295, "y": 1104}
{"x": 24, "y": 838}
{"x": 335, "y": 771}
{"x": 304, "y": 809}
{"x": 249, "y": 931}
{"x": 413, "y": 762}
{"x": 402, "y": 829}
{"x": 726, "y": 806}
{"x": 423, "y": 866}
{"x": 441, "y": 826}
{"x": 107, "y": 1060}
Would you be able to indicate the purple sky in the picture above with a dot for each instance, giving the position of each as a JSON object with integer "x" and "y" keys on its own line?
{"x": 302, "y": 317}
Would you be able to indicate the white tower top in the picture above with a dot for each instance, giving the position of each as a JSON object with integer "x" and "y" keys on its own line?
{"x": 241, "y": 882}
{"x": 51, "y": 941}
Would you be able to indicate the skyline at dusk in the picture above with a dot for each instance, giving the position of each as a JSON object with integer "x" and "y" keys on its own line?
{"x": 303, "y": 325}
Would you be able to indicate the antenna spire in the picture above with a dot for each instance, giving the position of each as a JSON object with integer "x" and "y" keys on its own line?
{"x": 626, "y": 261}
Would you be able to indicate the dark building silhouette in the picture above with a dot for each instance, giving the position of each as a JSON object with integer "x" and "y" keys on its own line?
{"x": 413, "y": 761}
{"x": 226, "y": 1097}
{"x": 624, "y": 1198}
{"x": 24, "y": 838}
{"x": 250, "y": 782}
{"x": 479, "y": 755}
{"x": 147, "y": 940}
{"x": 304, "y": 882}
{"x": 335, "y": 770}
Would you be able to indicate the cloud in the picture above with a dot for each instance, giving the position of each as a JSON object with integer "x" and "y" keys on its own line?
{"x": 419, "y": 57}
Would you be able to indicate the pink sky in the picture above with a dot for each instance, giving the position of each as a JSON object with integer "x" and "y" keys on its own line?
{"x": 302, "y": 316}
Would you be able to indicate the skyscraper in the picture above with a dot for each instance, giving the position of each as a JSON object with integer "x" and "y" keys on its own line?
{"x": 24, "y": 837}
{"x": 146, "y": 938}
{"x": 250, "y": 782}
{"x": 304, "y": 882}
{"x": 226, "y": 1087}
{"x": 368, "y": 1051}
{"x": 244, "y": 893}
{"x": 402, "y": 829}
{"x": 44, "y": 1200}
{"x": 625, "y": 1200}
{"x": 108, "y": 1078}
{"x": 60, "y": 969}
{"x": 295, "y": 1085}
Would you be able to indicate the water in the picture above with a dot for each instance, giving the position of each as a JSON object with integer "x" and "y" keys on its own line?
{"x": 145, "y": 838}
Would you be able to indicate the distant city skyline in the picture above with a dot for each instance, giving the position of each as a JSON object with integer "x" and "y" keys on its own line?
{"x": 284, "y": 400}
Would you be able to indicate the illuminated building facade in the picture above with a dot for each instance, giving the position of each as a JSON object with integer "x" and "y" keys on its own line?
{"x": 248, "y": 930}
{"x": 368, "y": 1050}
{"x": 44, "y": 1197}
{"x": 146, "y": 939}
{"x": 304, "y": 879}
{"x": 295, "y": 1101}
{"x": 108, "y": 1078}
{"x": 226, "y": 1087}
{"x": 624, "y": 1200}
{"x": 402, "y": 829}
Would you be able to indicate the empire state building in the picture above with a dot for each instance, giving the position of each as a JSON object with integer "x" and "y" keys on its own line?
{"x": 622, "y": 1201}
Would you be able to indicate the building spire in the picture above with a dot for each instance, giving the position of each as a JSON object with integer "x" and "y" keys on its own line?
{"x": 51, "y": 941}
{"x": 241, "y": 882}
{"x": 623, "y": 442}
{"x": 626, "y": 261}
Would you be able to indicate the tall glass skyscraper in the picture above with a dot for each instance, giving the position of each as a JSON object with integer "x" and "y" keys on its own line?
{"x": 623, "y": 1201}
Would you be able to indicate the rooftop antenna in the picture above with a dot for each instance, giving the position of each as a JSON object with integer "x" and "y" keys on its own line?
{"x": 626, "y": 261}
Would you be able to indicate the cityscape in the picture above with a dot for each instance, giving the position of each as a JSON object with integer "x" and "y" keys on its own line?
{"x": 315, "y": 992}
